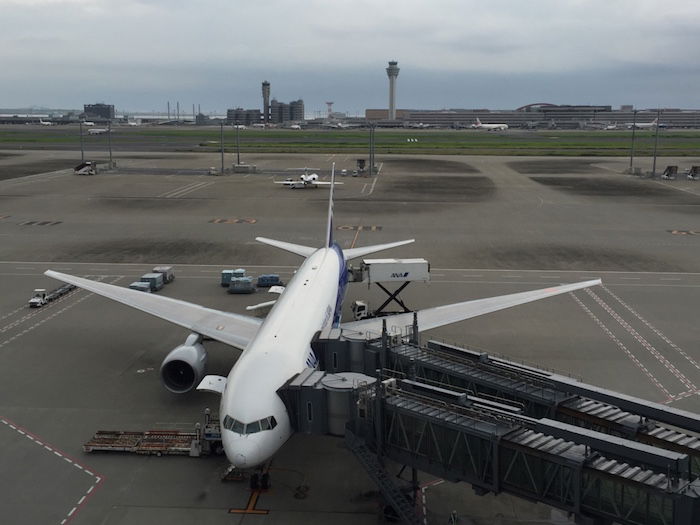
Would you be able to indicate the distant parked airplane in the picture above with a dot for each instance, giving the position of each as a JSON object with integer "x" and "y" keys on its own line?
{"x": 45, "y": 123}
{"x": 97, "y": 131}
{"x": 642, "y": 125}
{"x": 305, "y": 180}
{"x": 489, "y": 127}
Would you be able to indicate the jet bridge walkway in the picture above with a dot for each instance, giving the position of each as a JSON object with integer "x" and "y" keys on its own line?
{"x": 581, "y": 471}
{"x": 545, "y": 394}
{"x": 503, "y": 426}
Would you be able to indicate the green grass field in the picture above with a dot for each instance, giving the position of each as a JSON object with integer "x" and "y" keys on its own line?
{"x": 448, "y": 142}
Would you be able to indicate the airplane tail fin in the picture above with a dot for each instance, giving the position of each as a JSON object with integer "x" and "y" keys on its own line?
{"x": 329, "y": 223}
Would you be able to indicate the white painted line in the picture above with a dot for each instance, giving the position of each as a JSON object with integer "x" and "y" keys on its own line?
{"x": 642, "y": 341}
{"x": 72, "y": 511}
{"x": 631, "y": 278}
{"x": 658, "y": 332}
{"x": 670, "y": 279}
{"x": 90, "y": 489}
{"x": 511, "y": 276}
{"x": 80, "y": 501}
{"x": 620, "y": 345}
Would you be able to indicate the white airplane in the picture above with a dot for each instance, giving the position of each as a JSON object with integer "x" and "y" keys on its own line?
{"x": 610, "y": 127}
{"x": 97, "y": 131}
{"x": 295, "y": 126}
{"x": 255, "y": 421}
{"x": 45, "y": 123}
{"x": 642, "y": 125}
{"x": 239, "y": 126}
{"x": 305, "y": 180}
{"x": 489, "y": 127}
{"x": 88, "y": 123}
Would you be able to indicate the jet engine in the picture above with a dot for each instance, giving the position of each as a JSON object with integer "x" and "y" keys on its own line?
{"x": 185, "y": 366}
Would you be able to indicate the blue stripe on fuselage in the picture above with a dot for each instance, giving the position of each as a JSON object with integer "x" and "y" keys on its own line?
{"x": 342, "y": 283}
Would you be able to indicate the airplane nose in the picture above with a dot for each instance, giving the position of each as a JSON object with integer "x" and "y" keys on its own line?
{"x": 242, "y": 453}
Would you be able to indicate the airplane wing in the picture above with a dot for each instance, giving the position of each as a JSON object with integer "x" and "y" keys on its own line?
{"x": 452, "y": 313}
{"x": 325, "y": 183}
{"x": 285, "y": 182}
{"x": 232, "y": 329}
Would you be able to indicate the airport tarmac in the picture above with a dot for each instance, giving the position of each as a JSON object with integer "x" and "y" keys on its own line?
{"x": 488, "y": 226}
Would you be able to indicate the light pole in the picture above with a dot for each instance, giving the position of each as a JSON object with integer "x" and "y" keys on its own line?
{"x": 656, "y": 142}
{"x": 109, "y": 142}
{"x": 634, "y": 127}
{"x": 222, "y": 146}
{"x": 238, "y": 143}
{"x": 82, "y": 149}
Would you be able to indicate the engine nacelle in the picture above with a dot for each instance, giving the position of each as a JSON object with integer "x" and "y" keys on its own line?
{"x": 184, "y": 367}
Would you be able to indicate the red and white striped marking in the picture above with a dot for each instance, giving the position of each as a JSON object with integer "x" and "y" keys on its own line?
{"x": 97, "y": 479}
{"x": 424, "y": 499}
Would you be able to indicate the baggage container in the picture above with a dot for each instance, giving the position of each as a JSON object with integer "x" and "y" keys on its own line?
{"x": 141, "y": 286}
{"x": 167, "y": 271}
{"x": 269, "y": 279}
{"x": 154, "y": 279}
{"x": 241, "y": 285}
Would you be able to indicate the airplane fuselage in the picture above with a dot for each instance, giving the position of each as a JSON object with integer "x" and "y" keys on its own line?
{"x": 280, "y": 349}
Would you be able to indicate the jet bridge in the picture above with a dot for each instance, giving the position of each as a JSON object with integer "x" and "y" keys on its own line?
{"x": 504, "y": 427}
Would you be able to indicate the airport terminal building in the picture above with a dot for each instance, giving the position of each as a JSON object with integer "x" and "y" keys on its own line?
{"x": 540, "y": 115}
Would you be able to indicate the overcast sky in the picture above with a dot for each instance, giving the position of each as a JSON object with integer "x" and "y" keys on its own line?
{"x": 498, "y": 54}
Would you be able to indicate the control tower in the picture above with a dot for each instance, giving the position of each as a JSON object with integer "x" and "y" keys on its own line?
{"x": 266, "y": 101}
{"x": 392, "y": 72}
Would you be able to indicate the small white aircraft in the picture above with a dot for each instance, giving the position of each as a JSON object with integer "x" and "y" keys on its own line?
{"x": 239, "y": 126}
{"x": 45, "y": 123}
{"x": 255, "y": 421}
{"x": 610, "y": 127}
{"x": 642, "y": 125}
{"x": 489, "y": 127}
{"x": 97, "y": 131}
{"x": 88, "y": 123}
{"x": 295, "y": 126}
{"x": 305, "y": 180}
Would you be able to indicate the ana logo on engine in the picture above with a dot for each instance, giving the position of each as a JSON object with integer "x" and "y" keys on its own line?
{"x": 400, "y": 275}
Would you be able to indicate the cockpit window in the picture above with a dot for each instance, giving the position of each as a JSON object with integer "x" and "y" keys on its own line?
{"x": 238, "y": 427}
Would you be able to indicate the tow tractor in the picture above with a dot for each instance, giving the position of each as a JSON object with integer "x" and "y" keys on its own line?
{"x": 40, "y": 297}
